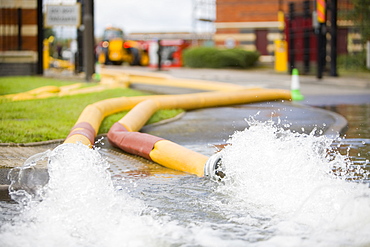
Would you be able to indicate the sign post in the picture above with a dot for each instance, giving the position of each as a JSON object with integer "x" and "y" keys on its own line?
{"x": 70, "y": 15}
{"x": 63, "y": 15}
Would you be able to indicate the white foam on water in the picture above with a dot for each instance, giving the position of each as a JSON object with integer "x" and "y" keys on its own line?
{"x": 80, "y": 207}
{"x": 287, "y": 180}
{"x": 280, "y": 190}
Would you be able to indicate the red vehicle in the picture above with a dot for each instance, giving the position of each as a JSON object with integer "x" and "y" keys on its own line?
{"x": 171, "y": 52}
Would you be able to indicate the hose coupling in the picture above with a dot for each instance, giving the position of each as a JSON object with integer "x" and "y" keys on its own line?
{"x": 213, "y": 167}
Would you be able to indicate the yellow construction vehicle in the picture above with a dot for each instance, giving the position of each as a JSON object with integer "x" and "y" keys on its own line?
{"x": 113, "y": 49}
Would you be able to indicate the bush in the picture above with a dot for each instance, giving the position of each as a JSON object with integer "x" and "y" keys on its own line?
{"x": 352, "y": 61}
{"x": 210, "y": 57}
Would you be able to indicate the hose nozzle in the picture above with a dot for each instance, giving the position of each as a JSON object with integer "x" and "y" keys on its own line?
{"x": 213, "y": 167}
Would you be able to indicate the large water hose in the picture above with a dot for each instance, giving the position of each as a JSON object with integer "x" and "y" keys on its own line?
{"x": 124, "y": 134}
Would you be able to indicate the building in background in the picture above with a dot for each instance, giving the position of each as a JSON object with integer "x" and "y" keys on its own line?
{"x": 248, "y": 24}
{"x": 254, "y": 25}
{"x": 19, "y": 40}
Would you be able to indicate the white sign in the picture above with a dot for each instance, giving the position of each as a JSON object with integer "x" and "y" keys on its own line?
{"x": 63, "y": 15}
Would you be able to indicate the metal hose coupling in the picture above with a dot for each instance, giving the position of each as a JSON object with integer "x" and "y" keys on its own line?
{"x": 213, "y": 167}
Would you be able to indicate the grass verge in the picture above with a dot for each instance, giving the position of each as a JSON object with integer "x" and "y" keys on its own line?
{"x": 52, "y": 118}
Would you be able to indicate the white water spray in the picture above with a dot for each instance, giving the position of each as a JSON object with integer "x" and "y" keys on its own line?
{"x": 281, "y": 188}
{"x": 297, "y": 182}
{"x": 79, "y": 206}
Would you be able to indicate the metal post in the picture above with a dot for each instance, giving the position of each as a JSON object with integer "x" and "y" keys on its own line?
{"x": 306, "y": 37}
{"x": 306, "y": 51}
{"x": 159, "y": 53}
{"x": 291, "y": 39}
{"x": 321, "y": 36}
{"x": 320, "y": 52}
{"x": 88, "y": 49}
{"x": 333, "y": 41}
{"x": 79, "y": 53}
{"x": 92, "y": 34}
{"x": 40, "y": 38}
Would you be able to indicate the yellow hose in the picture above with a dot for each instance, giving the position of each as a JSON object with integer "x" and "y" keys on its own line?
{"x": 174, "y": 156}
{"x": 141, "y": 108}
{"x": 139, "y": 114}
{"x": 134, "y": 120}
{"x": 170, "y": 154}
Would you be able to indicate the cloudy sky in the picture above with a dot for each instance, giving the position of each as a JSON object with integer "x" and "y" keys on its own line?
{"x": 144, "y": 15}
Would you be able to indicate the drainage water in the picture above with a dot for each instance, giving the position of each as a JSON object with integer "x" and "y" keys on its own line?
{"x": 281, "y": 189}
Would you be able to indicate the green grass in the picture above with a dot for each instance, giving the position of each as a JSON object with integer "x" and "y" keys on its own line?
{"x": 52, "y": 118}
{"x": 18, "y": 84}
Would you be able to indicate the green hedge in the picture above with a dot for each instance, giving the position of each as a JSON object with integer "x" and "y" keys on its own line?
{"x": 352, "y": 61}
{"x": 210, "y": 57}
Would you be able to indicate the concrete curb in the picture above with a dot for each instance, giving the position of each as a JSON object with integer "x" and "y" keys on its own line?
{"x": 340, "y": 124}
{"x": 32, "y": 144}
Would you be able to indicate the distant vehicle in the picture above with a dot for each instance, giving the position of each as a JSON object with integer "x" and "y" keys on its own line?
{"x": 113, "y": 49}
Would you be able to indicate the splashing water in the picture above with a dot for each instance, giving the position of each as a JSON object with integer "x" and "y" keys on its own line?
{"x": 78, "y": 206}
{"x": 281, "y": 189}
{"x": 297, "y": 184}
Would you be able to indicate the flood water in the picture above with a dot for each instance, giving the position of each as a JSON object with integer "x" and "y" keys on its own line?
{"x": 281, "y": 189}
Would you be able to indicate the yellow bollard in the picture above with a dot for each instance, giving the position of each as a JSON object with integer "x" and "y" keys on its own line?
{"x": 46, "y": 51}
{"x": 46, "y": 54}
{"x": 281, "y": 56}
